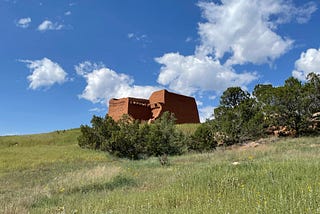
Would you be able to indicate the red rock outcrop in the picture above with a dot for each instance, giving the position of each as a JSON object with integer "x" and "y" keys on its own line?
{"x": 183, "y": 107}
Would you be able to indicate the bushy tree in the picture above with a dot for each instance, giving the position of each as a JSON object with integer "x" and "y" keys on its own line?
{"x": 238, "y": 116}
{"x": 312, "y": 88}
{"x": 97, "y": 136}
{"x": 233, "y": 97}
{"x": 290, "y": 105}
{"x": 88, "y": 138}
{"x": 129, "y": 138}
{"x": 163, "y": 137}
{"x": 204, "y": 138}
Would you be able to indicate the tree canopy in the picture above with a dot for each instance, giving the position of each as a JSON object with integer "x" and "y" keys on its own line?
{"x": 241, "y": 116}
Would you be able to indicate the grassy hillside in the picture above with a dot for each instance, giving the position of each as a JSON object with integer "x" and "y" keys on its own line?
{"x": 188, "y": 129}
{"x": 49, "y": 173}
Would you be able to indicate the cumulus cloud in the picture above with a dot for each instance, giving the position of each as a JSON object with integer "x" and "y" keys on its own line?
{"x": 24, "y": 22}
{"x": 49, "y": 25}
{"x": 309, "y": 62}
{"x": 246, "y": 29}
{"x": 190, "y": 74}
{"x": 45, "y": 73}
{"x": 104, "y": 84}
{"x": 235, "y": 32}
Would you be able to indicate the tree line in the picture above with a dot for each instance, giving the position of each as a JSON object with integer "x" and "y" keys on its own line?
{"x": 288, "y": 110}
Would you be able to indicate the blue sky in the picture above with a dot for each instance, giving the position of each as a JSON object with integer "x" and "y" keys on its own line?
{"x": 61, "y": 61}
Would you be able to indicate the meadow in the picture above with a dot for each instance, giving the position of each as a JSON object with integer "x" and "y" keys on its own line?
{"x": 50, "y": 173}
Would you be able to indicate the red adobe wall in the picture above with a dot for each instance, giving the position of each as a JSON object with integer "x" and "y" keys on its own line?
{"x": 118, "y": 107}
{"x": 157, "y": 101}
{"x": 139, "y": 109}
{"x": 157, "y": 97}
{"x": 183, "y": 107}
{"x": 136, "y": 108}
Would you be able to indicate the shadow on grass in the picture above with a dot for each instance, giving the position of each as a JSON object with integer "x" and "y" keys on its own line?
{"x": 117, "y": 182}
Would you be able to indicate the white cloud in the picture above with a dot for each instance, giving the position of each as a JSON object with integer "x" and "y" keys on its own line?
{"x": 104, "y": 84}
{"x": 48, "y": 25}
{"x": 191, "y": 74}
{"x": 130, "y": 35}
{"x": 303, "y": 14}
{"x": 206, "y": 113}
{"x": 309, "y": 62}
{"x": 246, "y": 29}
{"x": 237, "y": 32}
{"x": 140, "y": 38}
{"x": 97, "y": 110}
{"x": 24, "y": 22}
{"x": 188, "y": 39}
{"x": 86, "y": 67}
{"x": 68, "y": 13}
{"x": 45, "y": 73}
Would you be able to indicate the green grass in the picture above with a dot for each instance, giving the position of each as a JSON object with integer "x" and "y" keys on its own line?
{"x": 49, "y": 173}
{"x": 188, "y": 129}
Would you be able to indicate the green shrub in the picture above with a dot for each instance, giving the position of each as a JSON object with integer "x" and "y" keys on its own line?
{"x": 130, "y": 139}
{"x": 88, "y": 139}
{"x": 164, "y": 138}
{"x": 203, "y": 138}
{"x": 99, "y": 135}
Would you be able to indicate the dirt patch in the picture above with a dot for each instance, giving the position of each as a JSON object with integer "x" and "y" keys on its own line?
{"x": 260, "y": 144}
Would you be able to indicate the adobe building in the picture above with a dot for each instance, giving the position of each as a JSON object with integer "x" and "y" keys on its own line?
{"x": 183, "y": 107}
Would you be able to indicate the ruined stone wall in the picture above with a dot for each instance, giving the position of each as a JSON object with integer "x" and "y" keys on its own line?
{"x": 118, "y": 107}
{"x": 157, "y": 103}
{"x": 184, "y": 107}
{"x": 157, "y": 97}
{"x": 136, "y": 108}
{"x": 139, "y": 109}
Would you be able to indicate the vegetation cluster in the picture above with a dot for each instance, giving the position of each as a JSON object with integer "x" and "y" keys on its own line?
{"x": 288, "y": 110}
{"x": 130, "y": 139}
